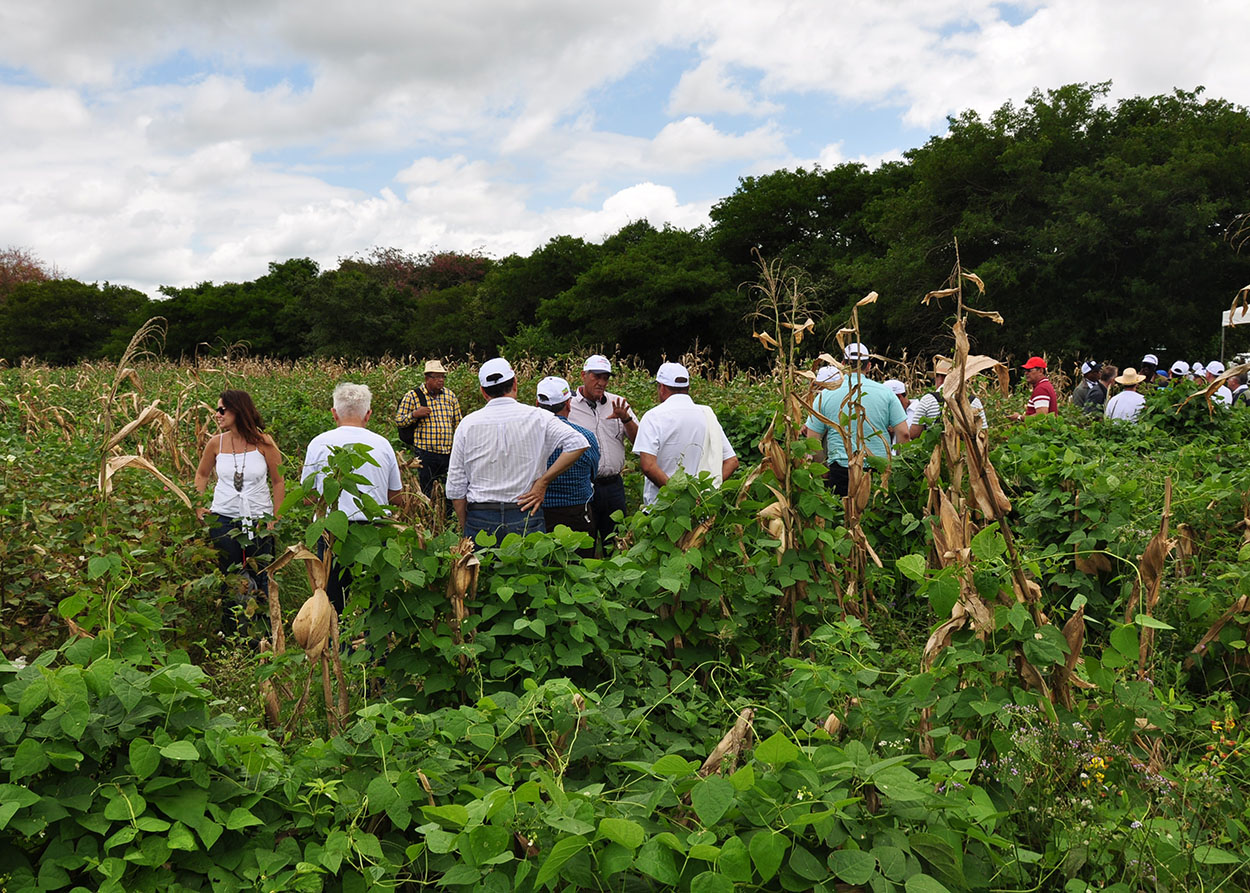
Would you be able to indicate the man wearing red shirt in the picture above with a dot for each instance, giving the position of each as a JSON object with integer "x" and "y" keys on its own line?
{"x": 1043, "y": 400}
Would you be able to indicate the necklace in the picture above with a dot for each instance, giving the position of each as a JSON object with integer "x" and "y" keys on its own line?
{"x": 238, "y": 472}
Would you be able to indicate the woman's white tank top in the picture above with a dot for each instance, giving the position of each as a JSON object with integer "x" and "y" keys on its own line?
{"x": 254, "y": 500}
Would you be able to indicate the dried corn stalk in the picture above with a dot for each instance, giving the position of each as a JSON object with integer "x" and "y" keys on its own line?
{"x": 727, "y": 751}
{"x": 1149, "y": 577}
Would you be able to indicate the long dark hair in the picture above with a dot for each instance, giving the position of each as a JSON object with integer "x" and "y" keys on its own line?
{"x": 247, "y": 421}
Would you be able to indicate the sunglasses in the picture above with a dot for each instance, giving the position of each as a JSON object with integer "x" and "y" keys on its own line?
{"x": 221, "y": 410}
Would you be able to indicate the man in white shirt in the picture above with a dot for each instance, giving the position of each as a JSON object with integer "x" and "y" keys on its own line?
{"x": 679, "y": 433}
{"x": 498, "y": 473}
{"x": 351, "y": 411}
{"x": 611, "y": 420}
{"x": 1214, "y": 370}
{"x": 1127, "y": 405}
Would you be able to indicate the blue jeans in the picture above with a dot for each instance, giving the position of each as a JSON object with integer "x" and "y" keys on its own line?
{"x": 500, "y": 518}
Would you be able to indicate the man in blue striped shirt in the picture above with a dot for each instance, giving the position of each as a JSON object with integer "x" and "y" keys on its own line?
{"x": 570, "y": 496}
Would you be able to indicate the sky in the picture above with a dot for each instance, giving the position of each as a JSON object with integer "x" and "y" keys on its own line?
{"x": 169, "y": 142}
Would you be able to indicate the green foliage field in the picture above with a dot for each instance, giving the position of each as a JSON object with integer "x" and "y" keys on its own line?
{"x": 556, "y": 739}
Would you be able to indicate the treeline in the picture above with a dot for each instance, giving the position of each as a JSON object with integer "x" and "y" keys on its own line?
{"x": 1101, "y": 231}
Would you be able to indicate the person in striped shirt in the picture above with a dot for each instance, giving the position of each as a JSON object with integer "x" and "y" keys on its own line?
{"x": 1043, "y": 400}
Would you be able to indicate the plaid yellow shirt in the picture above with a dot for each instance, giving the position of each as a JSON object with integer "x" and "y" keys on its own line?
{"x": 434, "y": 433}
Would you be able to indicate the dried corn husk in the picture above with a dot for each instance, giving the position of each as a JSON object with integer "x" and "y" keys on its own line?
{"x": 311, "y": 626}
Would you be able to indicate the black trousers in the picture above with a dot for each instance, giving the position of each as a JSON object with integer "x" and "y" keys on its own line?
{"x": 234, "y": 550}
{"x": 433, "y": 467}
{"x": 574, "y": 517}
{"x": 609, "y": 497}
{"x": 839, "y": 478}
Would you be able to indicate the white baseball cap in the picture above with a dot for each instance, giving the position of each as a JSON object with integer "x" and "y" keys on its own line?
{"x": 896, "y": 386}
{"x": 1151, "y": 359}
{"x": 829, "y": 374}
{"x": 673, "y": 375}
{"x": 1198, "y": 369}
{"x": 1215, "y": 367}
{"x": 856, "y": 351}
{"x": 597, "y": 363}
{"x": 554, "y": 391}
{"x": 1180, "y": 367}
{"x": 494, "y": 372}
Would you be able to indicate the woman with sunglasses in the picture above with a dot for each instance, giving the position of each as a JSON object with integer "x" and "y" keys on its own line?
{"x": 243, "y": 462}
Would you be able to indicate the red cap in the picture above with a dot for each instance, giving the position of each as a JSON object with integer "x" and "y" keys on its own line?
{"x": 1035, "y": 363}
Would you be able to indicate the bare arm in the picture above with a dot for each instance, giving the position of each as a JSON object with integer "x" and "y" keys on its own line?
{"x": 395, "y": 497}
{"x": 902, "y": 433}
{"x": 204, "y": 471}
{"x": 651, "y": 468}
{"x": 533, "y": 497}
{"x": 277, "y": 483}
{"x": 461, "y": 507}
{"x": 728, "y": 467}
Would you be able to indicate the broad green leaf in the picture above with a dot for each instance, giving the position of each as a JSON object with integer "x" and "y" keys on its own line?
{"x": 181, "y": 838}
{"x": 566, "y": 848}
{"x": 805, "y": 865}
{"x": 628, "y": 834}
{"x": 912, "y": 567}
{"x": 12, "y": 798}
{"x": 144, "y": 758}
{"x": 893, "y": 861}
{"x": 711, "y": 798}
{"x": 657, "y": 861}
{"x": 777, "y": 750}
{"x": 241, "y": 818}
{"x": 1151, "y": 623}
{"x": 1124, "y": 640}
{"x": 180, "y": 750}
{"x": 711, "y": 882}
{"x": 767, "y": 849}
{"x": 29, "y": 758}
{"x": 1209, "y": 855}
{"x": 673, "y": 766}
{"x": 735, "y": 861}
{"x": 852, "y": 866}
{"x": 923, "y": 883}
{"x": 452, "y": 814}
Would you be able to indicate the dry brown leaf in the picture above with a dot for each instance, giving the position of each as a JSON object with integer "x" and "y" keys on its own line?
{"x": 116, "y": 463}
{"x": 870, "y": 298}
{"x": 731, "y": 744}
{"x": 939, "y": 293}
{"x": 975, "y": 280}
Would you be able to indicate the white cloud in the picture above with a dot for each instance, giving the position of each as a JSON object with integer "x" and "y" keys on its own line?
{"x": 170, "y": 141}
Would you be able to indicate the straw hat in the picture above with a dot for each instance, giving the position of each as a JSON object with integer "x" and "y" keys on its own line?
{"x": 1130, "y": 377}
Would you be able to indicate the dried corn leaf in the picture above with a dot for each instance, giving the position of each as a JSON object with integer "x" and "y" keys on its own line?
{"x": 938, "y": 294}
{"x": 941, "y": 637}
{"x": 870, "y": 298}
{"x": 765, "y": 339}
{"x": 991, "y": 315}
{"x": 116, "y": 463}
{"x": 731, "y": 744}
{"x": 975, "y": 280}
{"x": 1241, "y": 606}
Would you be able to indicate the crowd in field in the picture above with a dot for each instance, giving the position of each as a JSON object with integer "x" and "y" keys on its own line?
{"x": 511, "y": 467}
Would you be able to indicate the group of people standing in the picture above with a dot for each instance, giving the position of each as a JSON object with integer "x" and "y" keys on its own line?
{"x": 508, "y": 467}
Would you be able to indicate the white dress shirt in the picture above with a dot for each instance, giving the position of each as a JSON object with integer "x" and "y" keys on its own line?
{"x": 1125, "y": 406}
{"x": 502, "y": 448}
{"x": 608, "y": 431}
{"x": 675, "y": 432}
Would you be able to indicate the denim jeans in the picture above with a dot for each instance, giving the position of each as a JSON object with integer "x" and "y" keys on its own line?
{"x": 500, "y": 518}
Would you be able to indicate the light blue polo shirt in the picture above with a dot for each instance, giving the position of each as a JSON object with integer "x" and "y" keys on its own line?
{"x": 876, "y": 405}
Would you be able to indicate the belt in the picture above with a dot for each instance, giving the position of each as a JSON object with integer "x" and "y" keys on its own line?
{"x": 494, "y": 506}
{"x": 608, "y": 479}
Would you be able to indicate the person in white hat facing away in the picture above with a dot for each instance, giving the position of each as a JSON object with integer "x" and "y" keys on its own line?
{"x": 1180, "y": 369}
{"x": 1126, "y": 406}
{"x": 858, "y": 405}
{"x": 679, "y": 433}
{"x": 569, "y": 497}
{"x": 613, "y": 422}
{"x": 427, "y": 418}
{"x": 498, "y": 475}
{"x": 1214, "y": 370}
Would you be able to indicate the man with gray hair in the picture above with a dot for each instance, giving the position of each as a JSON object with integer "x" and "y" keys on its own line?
{"x": 351, "y": 411}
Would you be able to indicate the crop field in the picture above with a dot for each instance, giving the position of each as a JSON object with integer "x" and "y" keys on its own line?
{"x": 1014, "y": 663}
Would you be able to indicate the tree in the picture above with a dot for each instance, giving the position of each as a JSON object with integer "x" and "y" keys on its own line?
{"x": 18, "y": 265}
{"x": 63, "y": 320}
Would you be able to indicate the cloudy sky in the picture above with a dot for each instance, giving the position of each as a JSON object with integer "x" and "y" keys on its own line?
{"x": 153, "y": 142}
